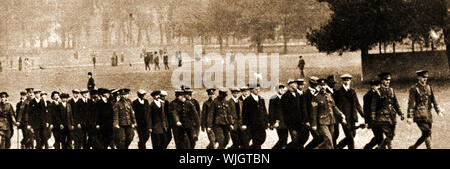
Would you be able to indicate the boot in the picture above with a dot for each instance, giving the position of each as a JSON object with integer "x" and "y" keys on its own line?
{"x": 428, "y": 143}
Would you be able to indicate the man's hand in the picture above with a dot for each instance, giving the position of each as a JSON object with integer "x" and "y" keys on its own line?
{"x": 72, "y": 127}
{"x": 28, "y": 127}
{"x": 18, "y": 124}
{"x": 231, "y": 127}
{"x": 244, "y": 127}
{"x": 179, "y": 124}
{"x": 79, "y": 126}
{"x": 409, "y": 120}
{"x": 47, "y": 125}
{"x": 209, "y": 129}
{"x": 307, "y": 124}
{"x": 97, "y": 126}
{"x": 277, "y": 124}
{"x": 51, "y": 126}
{"x": 61, "y": 126}
{"x": 150, "y": 130}
{"x": 314, "y": 128}
{"x": 133, "y": 126}
{"x": 117, "y": 127}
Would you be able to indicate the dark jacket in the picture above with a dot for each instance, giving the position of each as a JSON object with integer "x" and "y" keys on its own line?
{"x": 123, "y": 113}
{"x": 46, "y": 114}
{"x": 204, "y": 113}
{"x": 238, "y": 111}
{"x": 35, "y": 109}
{"x": 6, "y": 116}
{"x": 84, "y": 110}
{"x": 421, "y": 102}
{"x": 324, "y": 110}
{"x": 276, "y": 111}
{"x": 55, "y": 114}
{"x": 367, "y": 101}
{"x": 159, "y": 123}
{"x": 91, "y": 84}
{"x": 221, "y": 112}
{"x": 254, "y": 114}
{"x": 348, "y": 103}
{"x": 142, "y": 113}
{"x": 308, "y": 100}
{"x": 294, "y": 110}
{"x": 66, "y": 115}
{"x": 385, "y": 107}
{"x": 93, "y": 118}
{"x": 105, "y": 114}
{"x": 185, "y": 113}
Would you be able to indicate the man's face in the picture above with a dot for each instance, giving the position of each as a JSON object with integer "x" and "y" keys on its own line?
{"x": 76, "y": 95}
{"x": 293, "y": 86}
{"x": 157, "y": 97}
{"x": 301, "y": 86}
{"x": 22, "y": 97}
{"x": 106, "y": 95}
{"x": 38, "y": 96}
{"x": 163, "y": 97}
{"x": 281, "y": 90}
{"x": 246, "y": 93}
{"x": 235, "y": 94}
{"x": 44, "y": 97}
{"x": 255, "y": 91}
{"x": 65, "y": 100}
{"x": 3, "y": 99}
{"x": 181, "y": 98}
{"x": 422, "y": 79}
{"x": 55, "y": 97}
{"x": 30, "y": 95}
{"x": 85, "y": 95}
{"x": 386, "y": 81}
{"x": 188, "y": 96}
{"x": 347, "y": 81}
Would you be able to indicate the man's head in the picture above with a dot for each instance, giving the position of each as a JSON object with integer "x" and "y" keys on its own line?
{"x": 313, "y": 82}
{"x": 163, "y": 94}
{"x": 179, "y": 94}
{"x": 44, "y": 96}
{"x": 211, "y": 93}
{"x": 375, "y": 84}
{"x": 37, "y": 93}
{"x": 292, "y": 85}
{"x": 141, "y": 94}
{"x": 281, "y": 89}
{"x": 156, "y": 95}
{"x": 30, "y": 93}
{"x": 346, "y": 79}
{"x": 300, "y": 84}
{"x": 64, "y": 97}
{"x": 104, "y": 92}
{"x": 245, "y": 91}
{"x": 23, "y": 95}
{"x": 84, "y": 93}
{"x": 254, "y": 88}
{"x": 422, "y": 76}
{"x": 90, "y": 74}
{"x": 223, "y": 93}
{"x": 124, "y": 93}
{"x": 4, "y": 97}
{"x": 76, "y": 93}
{"x": 55, "y": 96}
{"x": 385, "y": 79}
{"x": 235, "y": 92}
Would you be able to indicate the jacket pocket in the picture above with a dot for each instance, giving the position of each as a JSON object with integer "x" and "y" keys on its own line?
{"x": 421, "y": 113}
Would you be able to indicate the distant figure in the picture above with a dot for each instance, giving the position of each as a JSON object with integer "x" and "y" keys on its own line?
{"x": 113, "y": 59}
{"x": 116, "y": 60}
{"x": 1, "y": 67}
{"x": 147, "y": 61}
{"x": 156, "y": 59}
{"x": 232, "y": 57}
{"x": 91, "y": 83}
{"x": 75, "y": 55}
{"x": 94, "y": 58}
{"x": 180, "y": 59}
{"x": 166, "y": 61}
{"x": 301, "y": 66}
{"x": 122, "y": 57}
{"x": 20, "y": 63}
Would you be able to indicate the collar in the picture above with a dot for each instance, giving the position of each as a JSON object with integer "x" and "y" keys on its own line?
{"x": 346, "y": 87}
{"x": 37, "y": 100}
{"x": 278, "y": 95}
{"x": 312, "y": 90}
{"x": 299, "y": 91}
{"x": 157, "y": 102}
{"x": 255, "y": 97}
{"x": 235, "y": 99}
{"x": 141, "y": 100}
{"x": 105, "y": 99}
{"x": 64, "y": 104}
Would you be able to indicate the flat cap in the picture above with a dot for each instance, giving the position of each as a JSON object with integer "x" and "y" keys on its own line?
{"x": 43, "y": 93}
{"x": 75, "y": 91}
{"x": 384, "y": 75}
{"x": 179, "y": 92}
{"x": 223, "y": 91}
{"x": 64, "y": 96}
{"x": 313, "y": 80}
{"x": 245, "y": 88}
{"x": 37, "y": 91}
{"x": 155, "y": 93}
{"x": 346, "y": 76}
{"x": 322, "y": 81}
{"x": 141, "y": 92}
{"x": 124, "y": 91}
{"x": 103, "y": 91}
{"x": 4, "y": 94}
{"x": 29, "y": 90}
{"x": 23, "y": 93}
{"x": 300, "y": 81}
{"x": 163, "y": 93}
{"x": 210, "y": 91}
{"x": 55, "y": 92}
{"x": 375, "y": 82}
{"x": 235, "y": 89}
{"x": 84, "y": 91}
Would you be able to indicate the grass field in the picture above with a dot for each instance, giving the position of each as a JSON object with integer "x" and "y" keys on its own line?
{"x": 135, "y": 78}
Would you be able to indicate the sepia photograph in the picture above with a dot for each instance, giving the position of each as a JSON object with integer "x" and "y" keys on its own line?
{"x": 224, "y": 74}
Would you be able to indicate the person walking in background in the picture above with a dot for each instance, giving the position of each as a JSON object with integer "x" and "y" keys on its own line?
{"x": 166, "y": 61}
{"x": 156, "y": 60}
{"x": 94, "y": 58}
{"x": 91, "y": 82}
{"x": 20, "y": 63}
{"x": 301, "y": 66}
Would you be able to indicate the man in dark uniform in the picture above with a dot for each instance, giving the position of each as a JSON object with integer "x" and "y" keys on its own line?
{"x": 91, "y": 83}
{"x": 166, "y": 60}
{"x": 377, "y": 133}
{"x": 45, "y": 124}
{"x": 244, "y": 136}
{"x": 141, "y": 107}
{"x": 58, "y": 127}
{"x": 324, "y": 114}
{"x": 23, "y": 116}
{"x": 84, "y": 110}
{"x": 6, "y": 121}
{"x": 186, "y": 119}
{"x": 204, "y": 117}
{"x": 220, "y": 119}
{"x": 276, "y": 117}
{"x": 124, "y": 120}
{"x": 36, "y": 108}
{"x": 310, "y": 94}
{"x": 188, "y": 94}
{"x": 156, "y": 62}
{"x": 93, "y": 123}
{"x": 67, "y": 124}
{"x": 159, "y": 125}
{"x": 384, "y": 110}
{"x": 169, "y": 118}
{"x": 347, "y": 101}
{"x": 421, "y": 101}
{"x": 294, "y": 112}
{"x": 105, "y": 113}
{"x": 254, "y": 115}
{"x": 147, "y": 61}
{"x": 236, "y": 134}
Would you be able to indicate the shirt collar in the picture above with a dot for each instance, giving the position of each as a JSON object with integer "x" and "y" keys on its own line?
{"x": 235, "y": 99}
{"x": 346, "y": 87}
{"x": 157, "y": 102}
{"x": 141, "y": 100}
{"x": 254, "y": 97}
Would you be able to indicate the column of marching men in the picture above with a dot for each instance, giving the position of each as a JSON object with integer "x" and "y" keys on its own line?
{"x": 107, "y": 118}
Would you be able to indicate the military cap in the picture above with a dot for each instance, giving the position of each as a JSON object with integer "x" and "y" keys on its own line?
{"x": 422, "y": 73}
{"x": 155, "y": 93}
{"x": 313, "y": 80}
{"x": 384, "y": 75}
{"x": 114, "y": 91}
{"x": 346, "y": 76}
{"x": 4, "y": 94}
{"x": 235, "y": 89}
{"x": 93, "y": 92}
{"x": 223, "y": 92}
{"x": 84, "y": 91}
{"x": 23, "y": 93}
{"x": 103, "y": 91}
{"x": 29, "y": 90}
{"x": 290, "y": 81}
{"x": 124, "y": 91}
{"x": 75, "y": 91}
{"x": 210, "y": 91}
{"x": 322, "y": 81}
{"x": 37, "y": 91}
{"x": 188, "y": 92}
{"x": 64, "y": 96}
{"x": 252, "y": 86}
{"x": 245, "y": 88}
{"x": 375, "y": 82}
{"x": 300, "y": 81}
{"x": 179, "y": 92}
{"x": 141, "y": 92}
{"x": 163, "y": 93}
{"x": 90, "y": 73}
